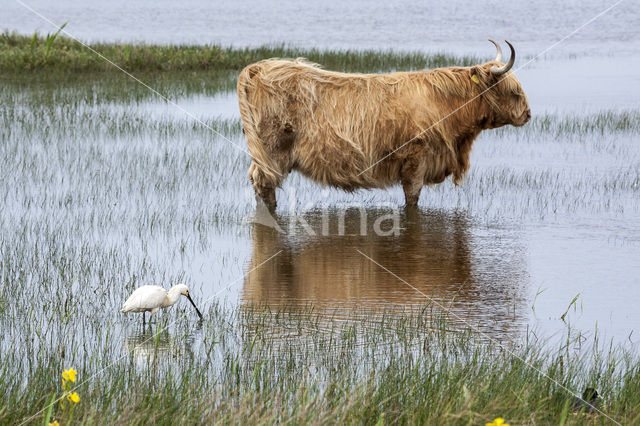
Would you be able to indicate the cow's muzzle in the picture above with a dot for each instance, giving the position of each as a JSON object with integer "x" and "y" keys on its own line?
{"x": 524, "y": 118}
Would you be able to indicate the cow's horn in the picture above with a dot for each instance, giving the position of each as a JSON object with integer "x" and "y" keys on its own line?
{"x": 501, "y": 70}
{"x": 499, "y": 55}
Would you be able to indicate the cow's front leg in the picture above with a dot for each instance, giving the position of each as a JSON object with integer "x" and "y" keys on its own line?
{"x": 266, "y": 196}
{"x": 265, "y": 189}
{"x": 411, "y": 193}
{"x": 412, "y": 179}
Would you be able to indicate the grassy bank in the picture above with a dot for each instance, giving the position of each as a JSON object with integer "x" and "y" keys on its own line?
{"x": 20, "y": 53}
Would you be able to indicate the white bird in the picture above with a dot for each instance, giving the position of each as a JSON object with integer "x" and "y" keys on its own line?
{"x": 151, "y": 298}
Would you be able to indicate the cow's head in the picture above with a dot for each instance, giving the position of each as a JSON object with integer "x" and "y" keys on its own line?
{"x": 501, "y": 90}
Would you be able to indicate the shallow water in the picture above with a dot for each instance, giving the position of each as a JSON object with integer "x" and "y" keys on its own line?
{"x": 106, "y": 187}
{"x": 147, "y": 195}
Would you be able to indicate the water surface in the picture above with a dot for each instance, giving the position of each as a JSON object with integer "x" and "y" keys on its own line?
{"x": 436, "y": 26}
{"x": 106, "y": 187}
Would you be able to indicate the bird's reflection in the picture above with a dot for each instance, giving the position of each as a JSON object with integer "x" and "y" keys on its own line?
{"x": 148, "y": 344}
{"x": 151, "y": 344}
{"x": 436, "y": 257}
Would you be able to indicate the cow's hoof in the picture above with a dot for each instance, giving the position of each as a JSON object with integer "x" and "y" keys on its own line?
{"x": 411, "y": 202}
{"x": 269, "y": 205}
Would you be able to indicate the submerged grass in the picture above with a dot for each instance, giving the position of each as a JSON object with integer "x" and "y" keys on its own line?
{"x": 20, "y": 53}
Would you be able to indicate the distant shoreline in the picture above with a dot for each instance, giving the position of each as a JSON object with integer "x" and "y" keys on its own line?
{"x": 46, "y": 53}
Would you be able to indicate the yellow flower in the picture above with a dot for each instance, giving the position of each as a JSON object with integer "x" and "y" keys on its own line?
{"x": 497, "y": 422}
{"x": 54, "y": 423}
{"x": 73, "y": 397}
{"x": 69, "y": 375}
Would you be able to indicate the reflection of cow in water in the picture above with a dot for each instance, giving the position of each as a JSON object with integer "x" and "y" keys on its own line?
{"x": 434, "y": 253}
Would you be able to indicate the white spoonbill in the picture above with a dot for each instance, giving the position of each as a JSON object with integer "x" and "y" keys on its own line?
{"x": 151, "y": 298}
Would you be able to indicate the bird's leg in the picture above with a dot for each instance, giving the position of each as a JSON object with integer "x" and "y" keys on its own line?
{"x": 143, "y": 320}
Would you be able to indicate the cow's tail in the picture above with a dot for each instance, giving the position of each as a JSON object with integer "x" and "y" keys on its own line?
{"x": 263, "y": 171}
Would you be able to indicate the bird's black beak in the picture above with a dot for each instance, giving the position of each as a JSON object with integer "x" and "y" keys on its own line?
{"x": 194, "y": 305}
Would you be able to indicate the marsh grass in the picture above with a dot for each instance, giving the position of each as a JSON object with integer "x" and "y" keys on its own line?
{"x": 571, "y": 126}
{"x": 20, "y": 53}
{"x": 263, "y": 365}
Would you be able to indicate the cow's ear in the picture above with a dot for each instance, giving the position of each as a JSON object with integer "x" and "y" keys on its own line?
{"x": 474, "y": 75}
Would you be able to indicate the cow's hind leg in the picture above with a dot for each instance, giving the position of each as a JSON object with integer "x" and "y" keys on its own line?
{"x": 271, "y": 157}
{"x": 263, "y": 185}
{"x": 412, "y": 179}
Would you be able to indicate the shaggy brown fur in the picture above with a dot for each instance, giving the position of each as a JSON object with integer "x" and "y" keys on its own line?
{"x": 333, "y": 127}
